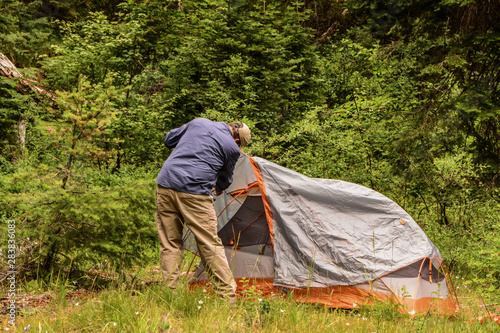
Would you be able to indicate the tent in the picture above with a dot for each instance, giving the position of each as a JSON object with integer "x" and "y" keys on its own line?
{"x": 326, "y": 241}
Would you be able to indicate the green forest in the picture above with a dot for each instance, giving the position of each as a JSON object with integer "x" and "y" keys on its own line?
{"x": 401, "y": 96}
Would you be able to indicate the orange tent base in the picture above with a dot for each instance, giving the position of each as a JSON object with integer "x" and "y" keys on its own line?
{"x": 346, "y": 297}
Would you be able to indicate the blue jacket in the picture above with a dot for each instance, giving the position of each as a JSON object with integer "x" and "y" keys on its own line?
{"x": 205, "y": 155}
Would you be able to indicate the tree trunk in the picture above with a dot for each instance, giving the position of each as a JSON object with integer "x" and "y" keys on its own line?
{"x": 22, "y": 133}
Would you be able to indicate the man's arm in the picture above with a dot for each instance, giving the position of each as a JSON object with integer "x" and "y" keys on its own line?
{"x": 225, "y": 174}
{"x": 172, "y": 138}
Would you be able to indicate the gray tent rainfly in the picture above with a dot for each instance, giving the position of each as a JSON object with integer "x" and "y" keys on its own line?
{"x": 330, "y": 241}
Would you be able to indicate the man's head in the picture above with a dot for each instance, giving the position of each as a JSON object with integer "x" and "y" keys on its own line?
{"x": 241, "y": 133}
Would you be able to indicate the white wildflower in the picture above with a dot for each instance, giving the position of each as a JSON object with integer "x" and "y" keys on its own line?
{"x": 347, "y": 324}
{"x": 354, "y": 305}
{"x": 199, "y": 307}
{"x": 260, "y": 299}
{"x": 412, "y": 312}
{"x": 281, "y": 310}
{"x": 200, "y": 302}
{"x": 114, "y": 324}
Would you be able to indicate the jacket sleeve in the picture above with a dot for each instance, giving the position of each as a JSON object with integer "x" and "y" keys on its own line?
{"x": 225, "y": 175}
{"x": 172, "y": 138}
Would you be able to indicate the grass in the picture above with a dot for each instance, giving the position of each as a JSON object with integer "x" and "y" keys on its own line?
{"x": 153, "y": 308}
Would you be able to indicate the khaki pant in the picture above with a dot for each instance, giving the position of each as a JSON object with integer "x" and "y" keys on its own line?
{"x": 174, "y": 210}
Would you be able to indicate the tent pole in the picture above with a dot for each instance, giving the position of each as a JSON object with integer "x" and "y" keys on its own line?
{"x": 443, "y": 264}
{"x": 418, "y": 282}
{"x": 392, "y": 291}
{"x": 239, "y": 233}
{"x": 192, "y": 261}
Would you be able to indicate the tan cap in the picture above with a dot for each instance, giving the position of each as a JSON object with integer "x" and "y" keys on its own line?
{"x": 244, "y": 134}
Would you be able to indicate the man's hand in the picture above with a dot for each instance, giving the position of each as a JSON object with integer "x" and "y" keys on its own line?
{"x": 216, "y": 193}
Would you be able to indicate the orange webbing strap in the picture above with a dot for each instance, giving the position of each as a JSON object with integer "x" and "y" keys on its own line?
{"x": 267, "y": 206}
{"x": 254, "y": 184}
{"x": 236, "y": 195}
{"x": 430, "y": 270}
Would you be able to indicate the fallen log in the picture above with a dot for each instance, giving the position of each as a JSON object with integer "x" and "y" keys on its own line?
{"x": 9, "y": 70}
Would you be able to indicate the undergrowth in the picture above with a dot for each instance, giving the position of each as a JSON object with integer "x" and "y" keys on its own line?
{"x": 137, "y": 306}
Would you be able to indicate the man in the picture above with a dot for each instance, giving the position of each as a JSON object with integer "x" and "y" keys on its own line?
{"x": 203, "y": 159}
